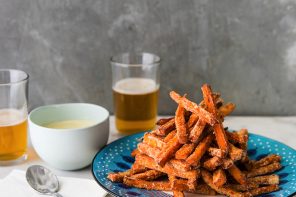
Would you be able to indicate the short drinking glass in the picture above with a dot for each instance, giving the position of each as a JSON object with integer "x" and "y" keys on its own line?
{"x": 13, "y": 116}
{"x": 135, "y": 80}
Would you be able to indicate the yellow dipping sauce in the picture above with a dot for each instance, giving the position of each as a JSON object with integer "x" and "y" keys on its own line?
{"x": 70, "y": 124}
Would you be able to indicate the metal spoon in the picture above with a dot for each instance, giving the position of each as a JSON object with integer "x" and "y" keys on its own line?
{"x": 43, "y": 180}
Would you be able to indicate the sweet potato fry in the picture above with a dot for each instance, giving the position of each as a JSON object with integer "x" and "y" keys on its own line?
{"x": 194, "y": 108}
{"x": 218, "y": 127}
{"x": 118, "y": 177}
{"x": 212, "y": 163}
{"x": 192, "y": 120}
{"x": 238, "y": 137}
{"x": 215, "y": 152}
{"x": 134, "y": 152}
{"x": 177, "y": 193}
{"x": 200, "y": 150}
{"x": 235, "y": 153}
{"x": 162, "y": 121}
{"x": 178, "y": 184}
{"x": 219, "y": 177}
{"x": 168, "y": 168}
{"x": 180, "y": 125}
{"x": 203, "y": 189}
{"x": 191, "y": 174}
{"x": 242, "y": 188}
{"x": 266, "y": 180}
{"x": 197, "y": 130}
{"x": 238, "y": 175}
{"x": 168, "y": 151}
{"x": 227, "y": 163}
{"x": 263, "y": 190}
{"x": 148, "y": 175}
{"x": 153, "y": 140}
{"x": 267, "y": 160}
{"x": 184, "y": 185}
{"x": 137, "y": 168}
{"x": 207, "y": 177}
{"x": 226, "y": 109}
{"x": 264, "y": 170}
{"x": 180, "y": 165}
{"x": 185, "y": 151}
{"x": 170, "y": 136}
{"x": 164, "y": 129}
{"x": 148, "y": 150}
{"x": 150, "y": 185}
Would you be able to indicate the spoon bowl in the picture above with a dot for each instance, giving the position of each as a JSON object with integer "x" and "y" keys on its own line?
{"x": 42, "y": 180}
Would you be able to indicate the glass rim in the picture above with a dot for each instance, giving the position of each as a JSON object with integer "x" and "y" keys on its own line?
{"x": 15, "y": 82}
{"x": 153, "y": 63}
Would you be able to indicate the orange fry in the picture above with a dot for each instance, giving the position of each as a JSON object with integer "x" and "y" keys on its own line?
{"x": 218, "y": 128}
{"x": 194, "y": 108}
{"x": 215, "y": 152}
{"x": 242, "y": 188}
{"x": 197, "y": 130}
{"x": 219, "y": 177}
{"x": 165, "y": 128}
{"x": 118, "y": 177}
{"x": 153, "y": 140}
{"x": 235, "y": 153}
{"x": 264, "y": 170}
{"x": 212, "y": 163}
{"x": 180, "y": 165}
{"x": 238, "y": 137}
{"x": 267, "y": 160}
{"x": 185, "y": 151}
{"x": 192, "y": 120}
{"x": 177, "y": 193}
{"x": 170, "y": 136}
{"x": 226, "y": 109}
{"x": 168, "y": 151}
{"x": 200, "y": 150}
{"x": 148, "y": 175}
{"x": 238, "y": 175}
{"x": 134, "y": 152}
{"x": 148, "y": 150}
{"x": 207, "y": 177}
{"x": 150, "y": 185}
{"x": 168, "y": 168}
{"x": 263, "y": 190}
{"x": 162, "y": 121}
{"x": 180, "y": 125}
{"x": 266, "y": 180}
{"x": 227, "y": 163}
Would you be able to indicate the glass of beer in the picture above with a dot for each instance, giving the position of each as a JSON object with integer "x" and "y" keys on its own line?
{"x": 135, "y": 84}
{"x": 13, "y": 116}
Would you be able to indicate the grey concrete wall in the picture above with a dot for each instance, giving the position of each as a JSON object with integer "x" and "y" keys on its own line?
{"x": 245, "y": 49}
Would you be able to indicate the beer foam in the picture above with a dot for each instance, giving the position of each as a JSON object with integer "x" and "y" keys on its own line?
{"x": 135, "y": 86}
{"x": 10, "y": 117}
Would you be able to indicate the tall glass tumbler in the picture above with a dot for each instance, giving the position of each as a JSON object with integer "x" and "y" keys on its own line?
{"x": 13, "y": 116}
{"x": 135, "y": 84}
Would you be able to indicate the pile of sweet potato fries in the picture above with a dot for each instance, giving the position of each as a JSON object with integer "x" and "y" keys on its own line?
{"x": 192, "y": 152}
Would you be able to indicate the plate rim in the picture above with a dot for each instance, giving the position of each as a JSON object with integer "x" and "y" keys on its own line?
{"x": 127, "y": 136}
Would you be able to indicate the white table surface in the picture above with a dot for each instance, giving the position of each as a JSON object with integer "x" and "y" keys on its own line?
{"x": 282, "y": 129}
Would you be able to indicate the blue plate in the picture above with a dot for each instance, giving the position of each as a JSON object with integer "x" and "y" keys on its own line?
{"x": 115, "y": 157}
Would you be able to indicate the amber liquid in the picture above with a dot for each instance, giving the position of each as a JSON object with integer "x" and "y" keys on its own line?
{"x": 13, "y": 137}
{"x": 135, "y": 112}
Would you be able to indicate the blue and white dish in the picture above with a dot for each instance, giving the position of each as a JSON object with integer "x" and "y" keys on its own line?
{"x": 115, "y": 157}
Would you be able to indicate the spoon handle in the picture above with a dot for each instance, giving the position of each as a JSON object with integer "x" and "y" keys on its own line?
{"x": 57, "y": 195}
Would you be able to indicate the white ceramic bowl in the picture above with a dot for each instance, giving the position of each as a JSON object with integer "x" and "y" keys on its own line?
{"x": 68, "y": 149}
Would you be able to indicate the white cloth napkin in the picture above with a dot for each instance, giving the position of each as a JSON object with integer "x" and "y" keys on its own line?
{"x": 15, "y": 185}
